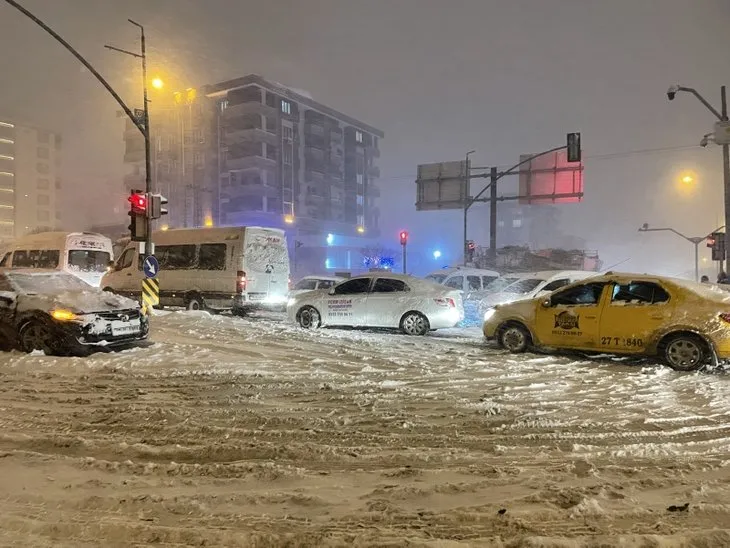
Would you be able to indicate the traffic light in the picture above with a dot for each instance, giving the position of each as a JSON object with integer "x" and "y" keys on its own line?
{"x": 403, "y": 237}
{"x": 156, "y": 203}
{"x": 139, "y": 223}
{"x": 470, "y": 249}
{"x": 718, "y": 246}
{"x": 573, "y": 147}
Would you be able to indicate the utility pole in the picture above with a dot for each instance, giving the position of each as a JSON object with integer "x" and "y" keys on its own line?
{"x": 723, "y": 117}
{"x": 145, "y": 123}
{"x": 725, "y": 169}
{"x": 467, "y": 203}
{"x": 493, "y": 215}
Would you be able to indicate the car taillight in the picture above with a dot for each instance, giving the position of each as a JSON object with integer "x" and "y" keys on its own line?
{"x": 725, "y": 316}
{"x": 240, "y": 281}
{"x": 446, "y": 301}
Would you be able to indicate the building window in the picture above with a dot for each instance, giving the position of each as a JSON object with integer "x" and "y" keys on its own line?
{"x": 286, "y": 155}
{"x": 360, "y": 199}
{"x": 516, "y": 223}
{"x": 58, "y": 184}
{"x": 42, "y": 153}
{"x": 198, "y": 159}
{"x": 287, "y": 133}
{"x": 223, "y": 105}
{"x": 43, "y": 184}
{"x": 358, "y": 136}
{"x": 44, "y": 137}
{"x": 375, "y": 142}
{"x": 198, "y": 136}
{"x": 41, "y": 168}
{"x": 43, "y": 215}
{"x": 285, "y": 107}
{"x": 361, "y": 220}
{"x": 43, "y": 200}
{"x": 359, "y": 178}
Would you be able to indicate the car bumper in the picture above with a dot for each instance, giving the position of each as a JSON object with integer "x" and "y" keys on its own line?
{"x": 105, "y": 330}
{"x": 446, "y": 318}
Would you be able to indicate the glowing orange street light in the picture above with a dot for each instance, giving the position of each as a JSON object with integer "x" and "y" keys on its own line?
{"x": 289, "y": 219}
{"x": 157, "y": 83}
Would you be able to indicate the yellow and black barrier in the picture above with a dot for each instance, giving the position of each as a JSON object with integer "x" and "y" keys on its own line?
{"x": 150, "y": 293}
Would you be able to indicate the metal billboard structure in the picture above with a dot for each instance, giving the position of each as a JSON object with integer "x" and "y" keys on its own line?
{"x": 550, "y": 179}
{"x": 546, "y": 177}
{"x": 442, "y": 186}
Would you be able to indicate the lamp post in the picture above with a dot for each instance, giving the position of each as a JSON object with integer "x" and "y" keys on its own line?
{"x": 722, "y": 116}
{"x": 694, "y": 240}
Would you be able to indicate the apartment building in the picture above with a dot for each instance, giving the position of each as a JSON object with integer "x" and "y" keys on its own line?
{"x": 251, "y": 151}
{"x": 30, "y": 159}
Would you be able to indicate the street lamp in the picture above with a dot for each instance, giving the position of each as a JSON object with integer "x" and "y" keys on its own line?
{"x": 688, "y": 179}
{"x": 157, "y": 83}
{"x": 722, "y": 116}
{"x": 361, "y": 230}
{"x": 694, "y": 240}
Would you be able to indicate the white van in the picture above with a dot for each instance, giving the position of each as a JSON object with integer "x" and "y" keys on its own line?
{"x": 236, "y": 268}
{"x": 471, "y": 281}
{"x": 86, "y": 255}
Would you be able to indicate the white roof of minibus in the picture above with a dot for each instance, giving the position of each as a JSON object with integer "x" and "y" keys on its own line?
{"x": 48, "y": 239}
{"x": 206, "y": 234}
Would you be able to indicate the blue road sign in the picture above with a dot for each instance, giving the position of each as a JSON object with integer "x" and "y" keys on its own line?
{"x": 151, "y": 267}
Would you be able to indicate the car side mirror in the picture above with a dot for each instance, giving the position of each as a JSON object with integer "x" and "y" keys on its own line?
{"x": 7, "y": 297}
{"x": 546, "y": 303}
{"x": 331, "y": 291}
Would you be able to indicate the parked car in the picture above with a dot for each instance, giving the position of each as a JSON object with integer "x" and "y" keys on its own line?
{"x": 310, "y": 283}
{"x": 472, "y": 281}
{"x": 59, "y": 314}
{"x": 684, "y": 323}
{"x": 532, "y": 284}
{"x": 413, "y": 305}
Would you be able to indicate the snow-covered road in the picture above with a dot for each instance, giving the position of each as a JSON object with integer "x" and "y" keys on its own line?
{"x": 251, "y": 432}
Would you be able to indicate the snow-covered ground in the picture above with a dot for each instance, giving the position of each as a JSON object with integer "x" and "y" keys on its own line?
{"x": 251, "y": 432}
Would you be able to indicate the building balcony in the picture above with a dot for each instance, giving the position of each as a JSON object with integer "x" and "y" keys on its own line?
{"x": 249, "y": 108}
{"x": 374, "y": 152}
{"x": 312, "y": 140}
{"x": 250, "y": 162}
{"x": 235, "y": 135}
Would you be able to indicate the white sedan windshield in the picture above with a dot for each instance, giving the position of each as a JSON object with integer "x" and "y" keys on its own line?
{"x": 523, "y": 286}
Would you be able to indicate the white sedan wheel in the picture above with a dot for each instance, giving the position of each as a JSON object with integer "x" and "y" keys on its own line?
{"x": 415, "y": 323}
{"x": 309, "y": 318}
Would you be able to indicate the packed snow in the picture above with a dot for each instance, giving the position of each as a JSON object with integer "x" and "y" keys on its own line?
{"x": 251, "y": 432}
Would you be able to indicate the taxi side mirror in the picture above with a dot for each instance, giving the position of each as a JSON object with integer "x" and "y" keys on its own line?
{"x": 546, "y": 303}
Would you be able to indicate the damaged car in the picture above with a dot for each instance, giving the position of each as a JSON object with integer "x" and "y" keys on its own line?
{"x": 58, "y": 314}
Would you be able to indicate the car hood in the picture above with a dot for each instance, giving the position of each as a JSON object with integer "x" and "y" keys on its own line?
{"x": 79, "y": 302}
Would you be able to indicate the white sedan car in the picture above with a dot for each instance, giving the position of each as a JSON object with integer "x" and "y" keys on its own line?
{"x": 410, "y": 304}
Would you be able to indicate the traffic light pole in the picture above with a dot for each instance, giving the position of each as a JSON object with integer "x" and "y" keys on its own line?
{"x": 694, "y": 240}
{"x": 405, "y": 269}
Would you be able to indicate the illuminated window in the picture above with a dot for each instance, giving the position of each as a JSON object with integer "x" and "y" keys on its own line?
{"x": 358, "y": 136}
{"x": 516, "y": 223}
{"x": 285, "y": 107}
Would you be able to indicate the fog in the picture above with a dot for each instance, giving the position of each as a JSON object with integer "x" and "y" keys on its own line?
{"x": 440, "y": 78}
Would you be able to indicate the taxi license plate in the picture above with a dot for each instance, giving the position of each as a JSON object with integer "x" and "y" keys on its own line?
{"x": 125, "y": 328}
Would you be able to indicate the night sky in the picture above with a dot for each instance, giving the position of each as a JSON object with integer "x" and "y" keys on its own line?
{"x": 438, "y": 77}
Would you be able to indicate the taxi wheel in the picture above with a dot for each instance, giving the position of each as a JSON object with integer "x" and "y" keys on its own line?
{"x": 685, "y": 352}
{"x": 514, "y": 338}
{"x": 309, "y": 318}
{"x": 415, "y": 323}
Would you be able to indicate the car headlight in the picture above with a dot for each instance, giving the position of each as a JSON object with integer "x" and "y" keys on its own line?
{"x": 63, "y": 315}
{"x": 489, "y": 313}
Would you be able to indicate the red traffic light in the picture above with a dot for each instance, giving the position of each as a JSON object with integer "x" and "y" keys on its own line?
{"x": 471, "y": 245}
{"x": 138, "y": 201}
{"x": 710, "y": 242}
{"x": 403, "y": 237}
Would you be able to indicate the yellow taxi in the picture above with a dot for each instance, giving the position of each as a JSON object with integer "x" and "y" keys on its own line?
{"x": 684, "y": 323}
